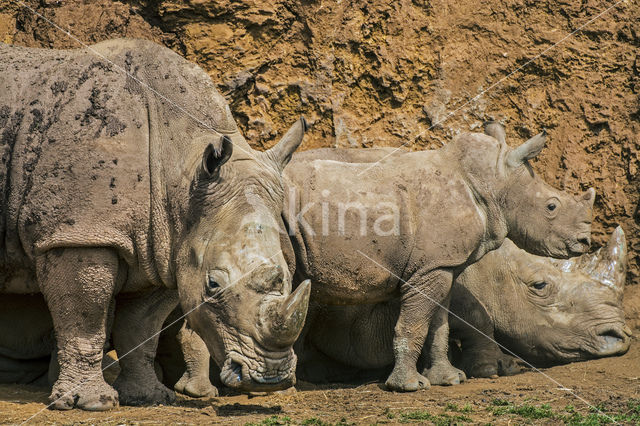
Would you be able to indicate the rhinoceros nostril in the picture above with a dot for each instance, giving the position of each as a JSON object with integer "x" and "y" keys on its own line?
{"x": 585, "y": 240}
{"x": 237, "y": 370}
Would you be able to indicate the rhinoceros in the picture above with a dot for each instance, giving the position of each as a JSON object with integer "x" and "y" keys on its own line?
{"x": 544, "y": 310}
{"x": 127, "y": 187}
{"x": 417, "y": 220}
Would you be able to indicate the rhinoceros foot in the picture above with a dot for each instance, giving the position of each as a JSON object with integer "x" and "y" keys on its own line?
{"x": 94, "y": 395}
{"x": 197, "y": 387}
{"x": 508, "y": 365}
{"x": 445, "y": 375}
{"x": 485, "y": 369}
{"x": 502, "y": 365}
{"x": 402, "y": 380}
{"x": 140, "y": 392}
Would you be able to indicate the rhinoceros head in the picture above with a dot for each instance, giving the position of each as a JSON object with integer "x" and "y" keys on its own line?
{"x": 551, "y": 311}
{"x": 232, "y": 276}
{"x": 540, "y": 218}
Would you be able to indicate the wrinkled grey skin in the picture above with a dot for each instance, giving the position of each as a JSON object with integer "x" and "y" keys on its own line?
{"x": 456, "y": 204}
{"x": 544, "y": 310}
{"x": 575, "y": 315}
{"x": 116, "y": 204}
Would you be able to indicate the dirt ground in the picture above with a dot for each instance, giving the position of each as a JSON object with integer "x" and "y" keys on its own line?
{"x": 611, "y": 384}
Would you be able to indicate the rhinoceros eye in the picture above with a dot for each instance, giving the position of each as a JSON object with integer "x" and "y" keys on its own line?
{"x": 540, "y": 285}
{"x": 212, "y": 285}
{"x": 551, "y": 207}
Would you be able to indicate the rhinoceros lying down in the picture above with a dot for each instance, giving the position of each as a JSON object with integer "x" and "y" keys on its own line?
{"x": 407, "y": 225}
{"x": 115, "y": 198}
{"x": 545, "y": 310}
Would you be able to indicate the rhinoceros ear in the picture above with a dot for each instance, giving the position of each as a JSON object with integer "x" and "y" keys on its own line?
{"x": 213, "y": 158}
{"x": 495, "y": 129}
{"x": 281, "y": 153}
{"x": 527, "y": 150}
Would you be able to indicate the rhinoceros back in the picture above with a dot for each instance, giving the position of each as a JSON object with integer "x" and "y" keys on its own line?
{"x": 83, "y": 133}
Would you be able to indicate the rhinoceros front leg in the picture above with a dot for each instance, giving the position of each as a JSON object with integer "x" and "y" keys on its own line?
{"x": 419, "y": 298}
{"x": 78, "y": 285}
{"x": 136, "y": 329}
{"x": 441, "y": 371}
{"x": 195, "y": 380}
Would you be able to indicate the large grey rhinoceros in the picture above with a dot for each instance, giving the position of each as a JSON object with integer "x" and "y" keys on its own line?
{"x": 369, "y": 226}
{"x": 125, "y": 183}
{"x": 544, "y": 310}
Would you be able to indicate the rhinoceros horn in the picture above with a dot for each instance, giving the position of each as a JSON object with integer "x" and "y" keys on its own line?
{"x": 607, "y": 265}
{"x": 287, "y": 320}
{"x": 611, "y": 266}
{"x": 527, "y": 150}
{"x": 495, "y": 129}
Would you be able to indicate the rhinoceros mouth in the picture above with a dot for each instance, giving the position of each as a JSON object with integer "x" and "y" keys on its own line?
{"x": 612, "y": 340}
{"x": 260, "y": 371}
{"x": 606, "y": 340}
{"x": 579, "y": 246}
{"x": 600, "y": 341}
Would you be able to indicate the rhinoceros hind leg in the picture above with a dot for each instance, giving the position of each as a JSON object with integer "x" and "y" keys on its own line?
{"x": 487, "y": 369}
{"x": 508, "y": 365}
{"x": 78, "y": 284}
{"x": 195, "y": 380}
{"x": 136, "y": 329}
{"x": 487, "y": 360}
{"x": 441, "y": 371}
{"x": 420, "y": 298}
{"x": 483, "y": 358}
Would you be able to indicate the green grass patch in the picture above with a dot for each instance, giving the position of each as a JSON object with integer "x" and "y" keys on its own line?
{"x": 314, "y": 421}
{"x": 526, "y": 411}
{"x": 273, "y": 421}
{"x": 284, "y": 420}
{"x": 438, "y": 419}
{"x": 598, "y": 415}
{"x": 387, "y": 412}
{"x": 451, "y": 406}
{"x": 467, "y": 409}
{"x": 453, "y": 414}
